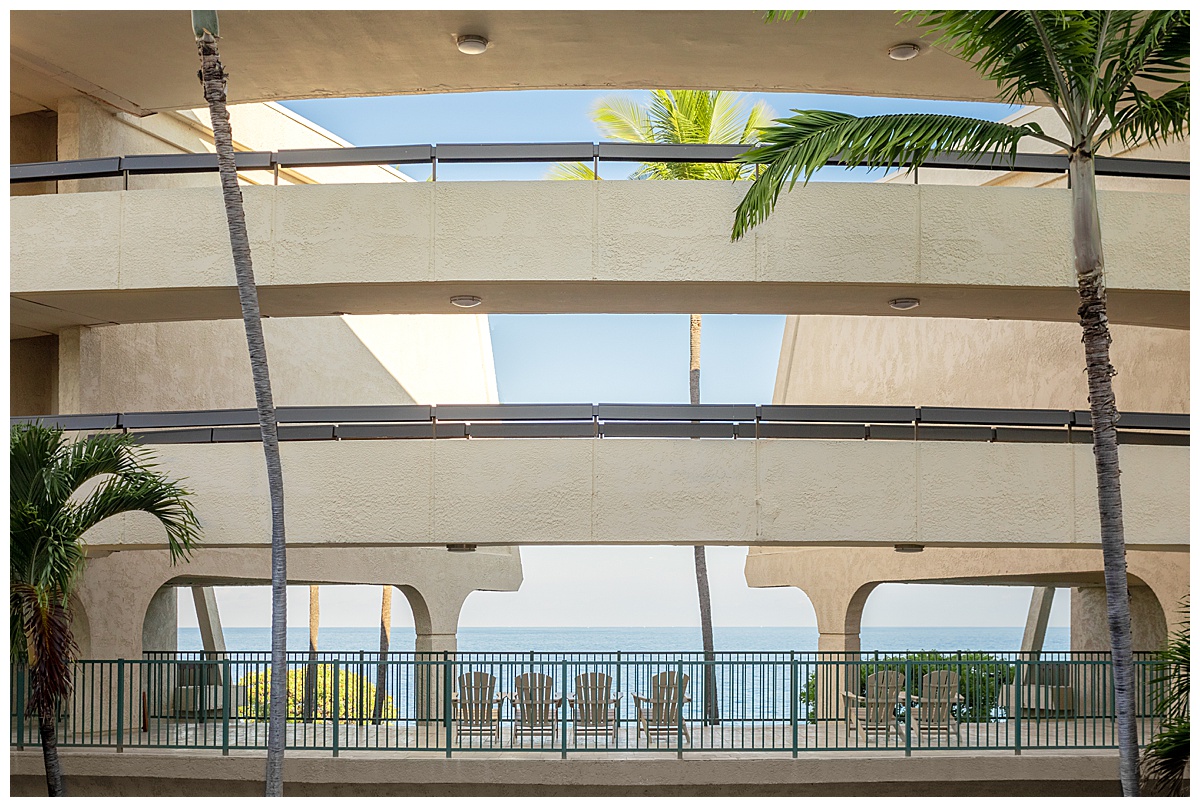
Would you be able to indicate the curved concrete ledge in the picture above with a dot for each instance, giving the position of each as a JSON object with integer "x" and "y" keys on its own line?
{"x": 558, "y": 247}
{"x": 178, "y": 773}
{"x": 660, "y": 491}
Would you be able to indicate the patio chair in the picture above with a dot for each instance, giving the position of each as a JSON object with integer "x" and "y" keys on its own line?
{"x": 658, "y": 715}
{"x": 535, "y": 707}
{"x": 874, "y": 713}
{"x": 476, "y": 706}
{"x": 933, "y": 709}
{"x": 594, "y": 705}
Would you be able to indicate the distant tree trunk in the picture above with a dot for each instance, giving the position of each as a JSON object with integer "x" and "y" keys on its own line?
{"x": 712, "y": 711}
{"x": 212, "y": 76}
{"x": 385, "y": 630}
{"x": 54, "y": 777}
{"x": 1093, "y": 316}
{"x": 310, "y": 672}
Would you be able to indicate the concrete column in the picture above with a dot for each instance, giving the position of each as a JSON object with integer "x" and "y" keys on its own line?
{"x": 160, "y": 628}
{"x": 435, "y": 614}
{"x": 1037, "y": 620}
{"x": 209, "y": 618}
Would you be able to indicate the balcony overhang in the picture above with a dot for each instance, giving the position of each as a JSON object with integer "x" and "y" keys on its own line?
{"x": 280, "y": 55}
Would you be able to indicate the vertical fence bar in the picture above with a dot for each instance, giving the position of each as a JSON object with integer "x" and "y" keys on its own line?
{"x": 20, "y": 707}
{"x": 795, "y": 709}
{"x": 227, "y": 688}
{"x": 564, "y": 707}
{"x": 120, "y": 705}
{"x": 337, "y": 696}
{"x": 679, "y": 705}
{"x": 1019, "y": 709}
{"x": 447, "y": 677}
{"x": 907, "y": 708}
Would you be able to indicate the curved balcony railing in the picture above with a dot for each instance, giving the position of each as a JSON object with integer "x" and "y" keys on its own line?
{"x": 595, "y": 153}
{"x": 731, "y": 421}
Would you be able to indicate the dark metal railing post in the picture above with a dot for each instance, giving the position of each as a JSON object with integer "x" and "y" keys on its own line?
{"x": 795, "y": 707}
{"x": 907, "y": 708}
{"x": 447, "y": 678}
{"x": 1017, "y": 741}
{"x": 337, "y": 695}
{"x": 120, "y": 705}
{"x": 227, "y": 687}
{"x": 20, "y": 707}
{"x": 679, "y": 705}
{"x": 564, "y": 707}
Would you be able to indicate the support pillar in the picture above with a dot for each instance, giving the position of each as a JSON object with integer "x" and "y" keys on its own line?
{"x": 209, "y": 619}
{"x": 1036, "y": 622}
{"x": 435, "y": 614}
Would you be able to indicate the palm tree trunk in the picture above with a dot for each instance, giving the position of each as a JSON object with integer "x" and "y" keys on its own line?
{"x": 54, "y": 777}
{"x": 1093, "y": 316}
{"x": 385, "y": 630}
{"x": 212, "y": 76}
{"x": 310, "y": 672}
{"x": 712, "y": 714}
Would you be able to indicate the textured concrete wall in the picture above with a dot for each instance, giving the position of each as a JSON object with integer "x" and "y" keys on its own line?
{"x": 730, "y": 492}
{"x": 523, "y": 240}
{"x": 1148, "y": 618}
{"x": 941, "y": 362}
{"x": 948, "y": 773}
{"x": 33, "y": 375}
{"x": 160, "y": 628}
{"x": 32, "y": 138}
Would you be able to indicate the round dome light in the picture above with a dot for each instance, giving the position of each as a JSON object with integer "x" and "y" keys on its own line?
{"x": 465, "y": 301}
{"x": 472, "y": 44}
{"x": 904, "y": 51}
{"x": 904, "y": 303}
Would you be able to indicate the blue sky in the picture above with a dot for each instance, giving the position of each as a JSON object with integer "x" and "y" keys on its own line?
{"x": 616, "y": 358}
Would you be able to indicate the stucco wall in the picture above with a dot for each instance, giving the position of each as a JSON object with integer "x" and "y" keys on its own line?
{"x": 683, "y": 492}
{"x": 33, "y": 138}
{"x": 922, "y": 361}
{"x": 33, "y": 375}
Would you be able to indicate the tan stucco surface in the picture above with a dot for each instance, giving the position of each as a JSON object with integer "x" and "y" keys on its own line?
{"x": 944, "y": 773}
{"x": 831, "y": 248}
{"x": 720, "y": 492}
{"x": 922, "y": 361}
{"x": 55, "y": 55}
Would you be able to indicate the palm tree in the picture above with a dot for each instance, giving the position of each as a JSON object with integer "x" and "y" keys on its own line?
{"x": 385, "y": 630}
{"x": 48, "y": 519}
{"x": 1096, "y": 69}
{"x": 1167, "y": 755}
{"x": 212, "y": 77}
{"x": 682, "y": 116}
{"x": 310, "y": 672}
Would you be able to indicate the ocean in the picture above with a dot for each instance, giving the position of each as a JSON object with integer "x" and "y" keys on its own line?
{"x": 634, "y": 639}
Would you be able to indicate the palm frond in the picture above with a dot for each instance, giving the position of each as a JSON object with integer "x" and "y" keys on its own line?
{"x": 801, "y": 145}
{"x": 784, "y": 16}
{"x": 1145, "y": 119}
{"x": 49, "y": 645}
{"x": 570, "y": 171}
{"x": 621, "y": 117}
{"x": 140, "y": 491}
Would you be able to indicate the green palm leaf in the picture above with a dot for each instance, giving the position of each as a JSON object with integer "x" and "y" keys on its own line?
{"x": 800, "y": 146}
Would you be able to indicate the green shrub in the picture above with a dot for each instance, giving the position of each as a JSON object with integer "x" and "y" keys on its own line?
{"x": 356, "y": 701}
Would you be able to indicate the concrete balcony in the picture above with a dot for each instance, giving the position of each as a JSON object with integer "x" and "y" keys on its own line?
{"x": 574, "y": 247}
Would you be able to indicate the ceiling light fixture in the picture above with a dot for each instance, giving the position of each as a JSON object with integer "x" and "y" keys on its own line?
{"x": 472, "y": 44}
{"x": 465, "y": 301}
{"x": 904, "y": 51}
{"x": 460, "y": 547}
{"x": 904, "y": 303}
{"x": 910, "y": 548}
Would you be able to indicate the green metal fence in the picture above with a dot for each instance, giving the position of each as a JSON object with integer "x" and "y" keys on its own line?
{"x": 565, "y": 704}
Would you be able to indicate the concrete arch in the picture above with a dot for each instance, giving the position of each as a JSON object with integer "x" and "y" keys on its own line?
{"x": 81, "y": 627}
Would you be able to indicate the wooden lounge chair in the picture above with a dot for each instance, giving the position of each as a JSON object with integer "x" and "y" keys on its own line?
{"x": 535, "y": 707}
{"x": 658, "y": 715}
{"x": 933, "y": 709}
{"x": 594, "y": 705}
{"x": 476, "y": 706}
{"x": 874, "y": 713}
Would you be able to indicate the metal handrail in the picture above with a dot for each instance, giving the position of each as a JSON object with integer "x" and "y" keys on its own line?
{"x": 744, "y": 421}
{"x": 430, "y": 154}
